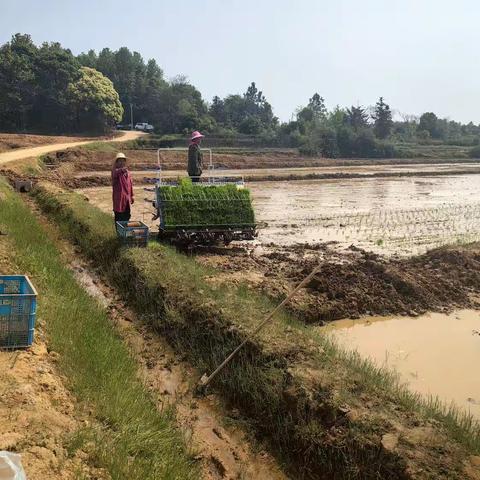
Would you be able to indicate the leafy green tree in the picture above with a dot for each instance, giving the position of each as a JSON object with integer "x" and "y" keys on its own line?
{"x": 217, "y": 110}
{"x": 18, "y": 87}
{"x": 250, "y": 125}
{"x": 382, "y": 117}
{"x": 336, "y": 118}
{"x": 88, "y": 59}
{"x": 317, "y": 105}
{"x": 249, "y": 112}
{"x": 55, "y": 69}
{"x": 429, "y": 123}
{"x": 138, "y": 83}
{"x": 320, "y": 140}
{"x": 357, "y": 118}
{"x": 96, "y": 102}
{"x": 182, "y": 108}
{"x": 314, "y": 112}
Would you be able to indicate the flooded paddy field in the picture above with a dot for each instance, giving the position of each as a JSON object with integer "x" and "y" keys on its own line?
{"x": 387, "y": 215}
{"x": 368, "y": 233}
{"x": 404, "y": 215}
{"x": 435, "y": 354}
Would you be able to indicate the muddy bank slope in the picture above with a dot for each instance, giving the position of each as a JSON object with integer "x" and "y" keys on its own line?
{"x": 327, "y": 413}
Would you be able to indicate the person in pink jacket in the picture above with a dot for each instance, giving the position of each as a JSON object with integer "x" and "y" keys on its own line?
{"x": 122, "y": 189}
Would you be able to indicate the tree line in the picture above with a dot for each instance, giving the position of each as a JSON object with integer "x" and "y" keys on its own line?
{"x": 48, "y": 89}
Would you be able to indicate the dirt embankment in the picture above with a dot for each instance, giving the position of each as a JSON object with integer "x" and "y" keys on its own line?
{"x": 358, "y": 283}
{"x": 81, "y": 168}
{"x": 91, "y": 160}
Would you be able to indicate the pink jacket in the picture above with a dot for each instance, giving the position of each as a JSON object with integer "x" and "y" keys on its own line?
{"x": 122, "y": 189}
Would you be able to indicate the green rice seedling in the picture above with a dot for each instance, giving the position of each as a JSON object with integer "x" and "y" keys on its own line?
{"x": 205, "y": 206}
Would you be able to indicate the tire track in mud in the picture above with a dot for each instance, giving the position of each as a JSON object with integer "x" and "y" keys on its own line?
{"x": 224, "y": 451}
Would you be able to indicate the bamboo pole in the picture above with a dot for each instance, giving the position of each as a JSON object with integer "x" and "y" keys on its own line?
{"x": 206, "y": 380}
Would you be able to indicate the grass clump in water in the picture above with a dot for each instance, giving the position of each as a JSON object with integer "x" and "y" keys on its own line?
{"x": 192, "y": 205}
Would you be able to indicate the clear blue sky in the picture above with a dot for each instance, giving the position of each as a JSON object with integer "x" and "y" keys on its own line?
{"x": 421, "y": 55}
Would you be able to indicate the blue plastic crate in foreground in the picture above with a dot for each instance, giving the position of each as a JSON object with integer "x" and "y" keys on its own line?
{"x": 132, "y": 233}
{"x": 18, "y": 307}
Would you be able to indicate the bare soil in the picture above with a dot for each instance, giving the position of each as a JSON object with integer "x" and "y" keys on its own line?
{"x": 16, "y": 154}
{"x": 38, "y": 415}
{"x": 95, "y": 161}
{"x": 356, "y": 283}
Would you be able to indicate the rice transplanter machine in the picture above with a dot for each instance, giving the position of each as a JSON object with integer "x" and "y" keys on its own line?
{"x": 217, "y": 209}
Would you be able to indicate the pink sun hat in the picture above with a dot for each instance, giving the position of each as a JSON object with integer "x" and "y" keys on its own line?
{"x": 196, "y": 134}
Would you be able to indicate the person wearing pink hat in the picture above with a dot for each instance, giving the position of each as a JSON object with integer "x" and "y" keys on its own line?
{"x": 195, "y": 157}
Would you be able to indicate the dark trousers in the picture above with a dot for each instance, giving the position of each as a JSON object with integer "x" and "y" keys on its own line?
{"x": 195, "y": 179}
{"x": 122, "y": 216}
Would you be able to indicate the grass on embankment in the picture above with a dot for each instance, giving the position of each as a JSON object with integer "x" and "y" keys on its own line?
{"x": 136, "y": 441}
{"x": 325, "y": 410}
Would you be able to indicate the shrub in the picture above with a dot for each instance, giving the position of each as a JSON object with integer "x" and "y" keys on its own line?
{"x": 474, "y": 152}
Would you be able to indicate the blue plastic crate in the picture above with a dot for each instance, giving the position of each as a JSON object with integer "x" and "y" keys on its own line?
{"x": 18, "y": 307}
{"x": 132, "y": 233}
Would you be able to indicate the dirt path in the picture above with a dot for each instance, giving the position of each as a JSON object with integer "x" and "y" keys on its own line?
{"x": 21, "y": 153}
{"x": 222, "y": 446}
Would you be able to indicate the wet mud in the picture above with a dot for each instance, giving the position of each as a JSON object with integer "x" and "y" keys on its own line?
{"x": 356, "y": 283}
{"x": 220, "y": 444}
{"x": 435, "y": 354}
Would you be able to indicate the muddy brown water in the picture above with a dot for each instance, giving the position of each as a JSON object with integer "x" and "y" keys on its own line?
{"x": 435, "y": 354}
{"x": 405, "y": 215}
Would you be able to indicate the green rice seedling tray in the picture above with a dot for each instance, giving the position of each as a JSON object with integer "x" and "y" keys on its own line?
{"x": 190, "y": 206}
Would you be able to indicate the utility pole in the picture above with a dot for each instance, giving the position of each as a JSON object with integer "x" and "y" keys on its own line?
{"x": 131, "y": 116}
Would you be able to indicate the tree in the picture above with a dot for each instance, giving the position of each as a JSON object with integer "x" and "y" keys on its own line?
{"x": 314, "y": 112}
{"x": 55, "y": 69}
{"x": 17, "y": 82}
{"x": 88, "y": 59}
{"x": 247, "y": 113}
{"x": 250, "y": 125}
{"x": 217, "y": 110}
{"x": 181, "y": 108}
{"x": 382, "y": 117}
{"x": 96, "y": 102}
{"x": 357, "y": 118}
{"x": 320, "y": 139}
{"x": 317, "y": 105}
{"x": 429, "y": 123}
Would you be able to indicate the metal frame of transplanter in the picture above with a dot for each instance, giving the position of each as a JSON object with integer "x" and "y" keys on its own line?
{"x": 200, "y": 234}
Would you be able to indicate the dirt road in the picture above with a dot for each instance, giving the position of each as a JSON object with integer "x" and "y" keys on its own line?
{"x": 21, "y": 153}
